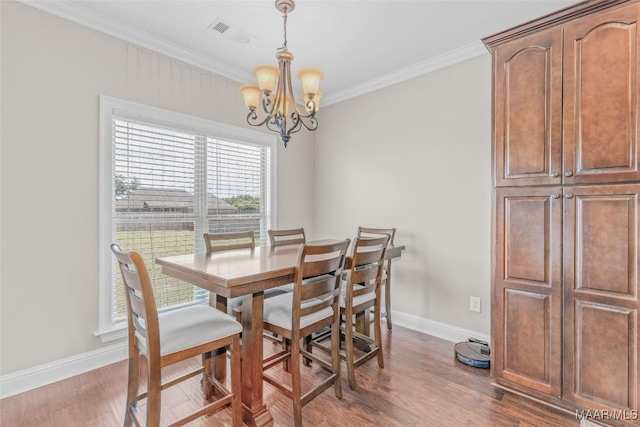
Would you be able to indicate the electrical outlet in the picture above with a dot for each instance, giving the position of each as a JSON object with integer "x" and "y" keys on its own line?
{"x": 474, "y": 304}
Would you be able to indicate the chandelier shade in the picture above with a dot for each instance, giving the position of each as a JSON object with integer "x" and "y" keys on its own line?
{"x": 271, "y": 102}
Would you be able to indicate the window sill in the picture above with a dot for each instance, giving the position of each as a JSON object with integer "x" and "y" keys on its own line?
{"x": 113, "y": 334}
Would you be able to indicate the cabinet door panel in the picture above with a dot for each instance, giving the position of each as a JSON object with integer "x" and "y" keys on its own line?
{"x": 601, "y": 97}
{"x": 528, "y": 90}
{"x": 527, "y": 304}
{"x": 601, "y": 296}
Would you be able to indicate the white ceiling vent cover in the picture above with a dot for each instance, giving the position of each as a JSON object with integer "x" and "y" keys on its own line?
{"x": 229, "y": 31}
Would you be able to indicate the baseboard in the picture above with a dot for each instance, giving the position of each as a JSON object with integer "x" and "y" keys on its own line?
{"x": 436, "y": 329}
{"x": 28, "y": 379}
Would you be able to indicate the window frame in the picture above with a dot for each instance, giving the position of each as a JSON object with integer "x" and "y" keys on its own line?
{"x": 110, "y": 107}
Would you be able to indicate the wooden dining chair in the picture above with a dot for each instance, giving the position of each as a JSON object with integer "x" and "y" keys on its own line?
{"x": 217, "y": 242}
{"x": 166, "y": 338}
{"x": 360, "y": 292}
{"x": 386, "y": 280}
{"x": 312, "y": 306}
{"x": 287, "y": 237}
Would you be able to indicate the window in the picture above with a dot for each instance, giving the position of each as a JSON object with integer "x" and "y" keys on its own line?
{"x": 166, "y": 179}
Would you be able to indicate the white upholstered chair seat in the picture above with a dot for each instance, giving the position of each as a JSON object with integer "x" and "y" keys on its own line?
{"x": 192, "y": 326}
{"x": 278, "y": 312}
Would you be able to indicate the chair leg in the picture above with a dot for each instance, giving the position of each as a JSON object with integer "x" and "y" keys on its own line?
{"x": 296, "y": 381}
{"x": 286, "y": 364}
{"x": 387, "y": 296}
{"x": 154, "y": 396}
{"x": 308, "y": 347}
{"x": 335, "y": 354}
{"x": 348, "y": 342}
{"x": 377, "y": 332}
{"x": 132, "y": 386}
{"x": 207, "y": 364}
{"x": 236, "y": 383}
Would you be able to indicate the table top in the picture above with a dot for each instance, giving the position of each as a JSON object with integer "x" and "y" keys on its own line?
{"x": 241, "y": 271}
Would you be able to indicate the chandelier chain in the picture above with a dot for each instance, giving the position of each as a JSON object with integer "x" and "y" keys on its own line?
{"x": 284, "y": 20}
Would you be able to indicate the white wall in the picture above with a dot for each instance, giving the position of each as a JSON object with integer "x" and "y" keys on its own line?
{"x": 416, "y": 156}
{"x": 52, "y": 73}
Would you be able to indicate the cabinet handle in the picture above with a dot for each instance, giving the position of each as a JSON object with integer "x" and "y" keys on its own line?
{"x": 568, "y": 196}
{"x": 555, "y": 195}
{"x": 568, "y": 173}
{"x": 555, "y": 175}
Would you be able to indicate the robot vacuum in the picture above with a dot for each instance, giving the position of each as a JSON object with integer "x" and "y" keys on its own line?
{"x": 473, "y": 352}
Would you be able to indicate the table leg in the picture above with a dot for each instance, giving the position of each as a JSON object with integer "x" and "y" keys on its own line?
{"x": 254, "y": 411}
{"x": 387, "y": 296}
{"x": 363, "y": 322}
{"x": 220, "y": 359}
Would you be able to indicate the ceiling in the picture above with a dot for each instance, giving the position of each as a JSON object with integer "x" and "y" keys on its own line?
{"x": 360, "y": 45}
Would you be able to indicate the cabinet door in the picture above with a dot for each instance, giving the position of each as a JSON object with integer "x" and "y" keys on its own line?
{"x": 528, "y": 110}
{"x": 601, "y": 296}
{"x": 601, "y": 97}
{"x": 527, "y": 293}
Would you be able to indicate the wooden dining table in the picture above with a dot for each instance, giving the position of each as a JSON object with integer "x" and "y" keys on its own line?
{"x": 245, "y": 273}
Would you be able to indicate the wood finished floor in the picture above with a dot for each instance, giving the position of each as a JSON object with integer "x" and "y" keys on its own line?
{"x": 421, "y": 385}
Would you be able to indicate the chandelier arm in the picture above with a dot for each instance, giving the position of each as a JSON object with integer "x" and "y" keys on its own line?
{"x": 266, "y": 103}
{"x": 296, "y": 123}
{"x": 273, "y": 126}
{"x": 312, "y": 123}
{"x": 253, "y": 120}
{"x": 299, "y": 119}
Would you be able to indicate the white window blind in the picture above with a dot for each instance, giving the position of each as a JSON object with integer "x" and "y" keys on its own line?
{"x": 172, "y": 183}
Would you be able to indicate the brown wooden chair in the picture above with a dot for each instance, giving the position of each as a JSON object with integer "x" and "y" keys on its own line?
{"x": 216, "y": 242}
{"x": 360, "y": 292}
{"x": 386, "y": 280}
{"x": 312, "y": 306}
{"x": 166, "y": 338}
{"x": 287, "y": 237}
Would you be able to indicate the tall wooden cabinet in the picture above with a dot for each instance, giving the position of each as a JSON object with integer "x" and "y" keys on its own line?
{"x": 566, "y": 220}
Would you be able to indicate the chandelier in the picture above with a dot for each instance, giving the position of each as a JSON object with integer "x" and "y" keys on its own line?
{"x": 274, "y": 92}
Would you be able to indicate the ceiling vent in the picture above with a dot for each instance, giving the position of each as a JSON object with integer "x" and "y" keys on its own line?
{"x": 229, "y": 31}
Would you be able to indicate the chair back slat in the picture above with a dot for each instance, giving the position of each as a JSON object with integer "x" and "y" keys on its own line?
{"x": 376, "y": 232}
{"x": 365, "y": 275}
{"x": 132, "y": 279}
{"x": 318, "y": 279}
{"x": 318, "y": 267}
{"x": 319, "y": 287}
{"x": 142, "y": 316}
{"x": 294, "y": 236}
{"x": 216, "y": 242}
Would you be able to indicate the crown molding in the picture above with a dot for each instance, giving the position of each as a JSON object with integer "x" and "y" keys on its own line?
{"x": 96, "y": 21}
{"x": 440, "y": 61}
{"x": 99, "y": 22}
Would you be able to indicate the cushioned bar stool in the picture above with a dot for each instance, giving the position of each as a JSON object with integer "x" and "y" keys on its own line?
{"x": 217, "y": 242}
{"x": 386, "y": 279}
{"x": 360, "y": 292}
{"x": 167, "y": 338}
{"x": 312, "y": 306}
